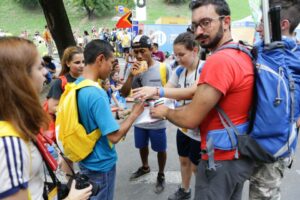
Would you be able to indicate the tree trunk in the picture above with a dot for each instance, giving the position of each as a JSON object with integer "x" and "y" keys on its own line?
{"x": 90, "y": 12}
{"x": 58, "y": 24}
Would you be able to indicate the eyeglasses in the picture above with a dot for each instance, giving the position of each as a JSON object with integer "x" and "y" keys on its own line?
{"x": 204, "y": 23}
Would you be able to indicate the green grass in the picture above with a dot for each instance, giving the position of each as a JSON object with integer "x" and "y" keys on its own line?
{"x": 15, "y": 19}
{"x": 155, "y": 10}
{"x": 239, "y": 9}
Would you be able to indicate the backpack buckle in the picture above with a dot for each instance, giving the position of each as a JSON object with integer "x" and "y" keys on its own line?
{"x": 277, "y": 101}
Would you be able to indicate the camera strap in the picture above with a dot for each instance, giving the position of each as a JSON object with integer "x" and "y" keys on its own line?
{"x": 51, "y": 190}
{"x": 51, "y": 173}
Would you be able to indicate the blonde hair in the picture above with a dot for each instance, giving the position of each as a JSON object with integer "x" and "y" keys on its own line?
{"x": 19, "y": 102}
{"x": 67, "y": 57}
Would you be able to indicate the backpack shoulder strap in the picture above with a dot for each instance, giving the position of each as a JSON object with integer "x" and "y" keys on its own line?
{"x": 237, "y": 46}
{"x": 87, "y": 83}
{"x": 69, "y": 87}
{"x": 179, "y": 70}
{"x": 163, "y": 73}
{"x": 64, "y": 82}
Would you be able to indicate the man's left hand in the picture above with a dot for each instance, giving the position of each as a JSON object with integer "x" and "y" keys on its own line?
{"x": 159, "y": 112}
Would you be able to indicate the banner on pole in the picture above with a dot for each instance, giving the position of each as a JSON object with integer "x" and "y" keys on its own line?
{"x": 125, "y": 21}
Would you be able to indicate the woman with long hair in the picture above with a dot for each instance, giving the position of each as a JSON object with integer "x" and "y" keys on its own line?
{"x": 72, "y": 64}
{"x": 21, "y": 117}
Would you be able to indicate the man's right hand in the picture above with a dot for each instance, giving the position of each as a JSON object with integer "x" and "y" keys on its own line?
{"x": 135, "y": 68}
{"x": 139, "y": 67}
{"x": 137, "y": 108}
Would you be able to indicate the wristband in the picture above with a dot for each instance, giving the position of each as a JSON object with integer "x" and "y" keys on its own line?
{"x": 161, "y": 92}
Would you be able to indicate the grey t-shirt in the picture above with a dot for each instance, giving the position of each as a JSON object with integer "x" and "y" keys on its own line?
{"x": 151, "y": 78}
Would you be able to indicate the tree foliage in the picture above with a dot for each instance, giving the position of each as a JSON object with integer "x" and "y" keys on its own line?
{"x": 175, "y": 1}
{"x": 94, "y": 7}
{"x": 126, "y": 3}
{"x": 31, "y": 4}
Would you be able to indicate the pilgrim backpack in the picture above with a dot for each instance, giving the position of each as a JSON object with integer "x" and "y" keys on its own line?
{"x": 271, "y": 132}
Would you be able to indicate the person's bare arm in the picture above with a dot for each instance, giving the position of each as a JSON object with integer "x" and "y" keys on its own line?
{"x": 169, "y": 91}
{"x": 117, "y": 88}
{"x": 125, "y": 90}
{"x": 169, "y": 85}
{"x": 180, "y": 93}
{"x": 52, "y": 105}
{"x": 115, "y": 100}
{"x": 115, "y": 137}
{"x": 65, "y": 165}
{"x": 51, "y": 70}
{"x": 191, "y": 115}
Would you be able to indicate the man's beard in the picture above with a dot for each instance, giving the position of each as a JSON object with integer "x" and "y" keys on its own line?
{"x": 215, "y": 41}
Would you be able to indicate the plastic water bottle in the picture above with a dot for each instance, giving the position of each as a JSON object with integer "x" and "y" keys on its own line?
{"x": 59, "y": 173}
{"x": 53, "y": 152}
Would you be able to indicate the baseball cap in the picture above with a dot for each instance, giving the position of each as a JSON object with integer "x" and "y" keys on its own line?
{"x": 141, "y": 41}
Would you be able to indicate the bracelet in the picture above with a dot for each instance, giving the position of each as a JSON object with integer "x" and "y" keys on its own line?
{"x": 161, "y": 92}
{"x": 157, "y": 91}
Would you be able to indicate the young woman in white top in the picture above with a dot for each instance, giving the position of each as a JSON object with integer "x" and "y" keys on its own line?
{"x": 182, "y": 86}
{"x": 21, "y": 117}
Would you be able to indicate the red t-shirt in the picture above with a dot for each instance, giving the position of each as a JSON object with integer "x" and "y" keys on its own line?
{"x": 231, "y": 72}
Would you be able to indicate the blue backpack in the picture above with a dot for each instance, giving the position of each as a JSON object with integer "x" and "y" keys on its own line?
{"x": 271, "y": 132}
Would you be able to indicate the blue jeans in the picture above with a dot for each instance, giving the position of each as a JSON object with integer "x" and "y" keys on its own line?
{"x": 105, "y": 182}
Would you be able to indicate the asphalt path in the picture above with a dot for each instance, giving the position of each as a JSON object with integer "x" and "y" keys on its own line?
{"x": 142, "y": 189}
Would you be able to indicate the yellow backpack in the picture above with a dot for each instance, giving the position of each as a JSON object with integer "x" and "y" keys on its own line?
{"x": 163, "y": 73}
{"x": 72, "y": 136}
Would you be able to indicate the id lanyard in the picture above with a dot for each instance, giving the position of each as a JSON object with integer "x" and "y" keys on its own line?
{"x": 186, "y": 72}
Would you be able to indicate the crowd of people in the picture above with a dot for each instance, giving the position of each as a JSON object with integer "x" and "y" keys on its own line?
{"x": 203, "y": 89}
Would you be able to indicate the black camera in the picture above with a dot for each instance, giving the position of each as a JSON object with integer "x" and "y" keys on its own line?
{"x": 82, "y": 181}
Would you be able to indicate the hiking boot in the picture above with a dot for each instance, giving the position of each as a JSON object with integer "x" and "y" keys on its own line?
{"x": 160, "y": 183}
{"x": 140, "y": 172}
{"x": 180, "y": 194}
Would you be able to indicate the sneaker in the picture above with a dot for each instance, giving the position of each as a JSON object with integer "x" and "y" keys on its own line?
{"x": 160, "y": 183}
{"x": 140, "y": 172}
{"x": 180, "y": 194}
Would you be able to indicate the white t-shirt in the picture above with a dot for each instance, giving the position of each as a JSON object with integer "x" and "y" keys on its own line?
{"x": 180, "y": 79}
{"x": 21, "y": 168}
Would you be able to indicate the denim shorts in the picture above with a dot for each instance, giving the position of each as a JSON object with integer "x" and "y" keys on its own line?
{"x": 188, "y": 147}
{"x": 157, "y": 137}
{"x": 104, "y": 180}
